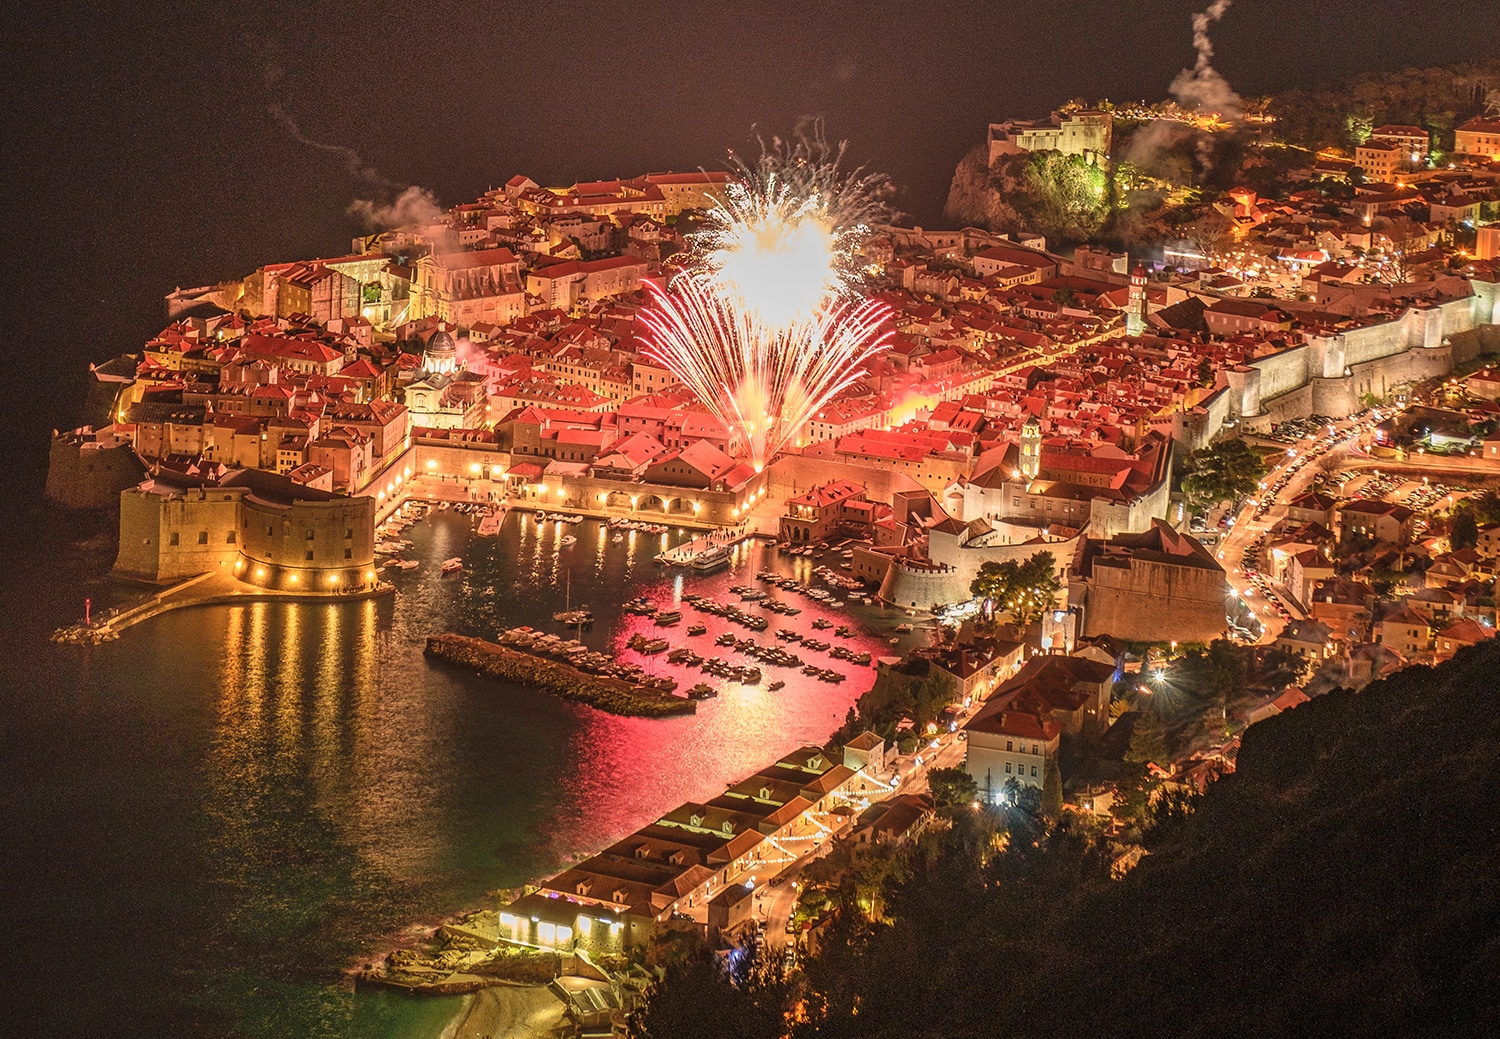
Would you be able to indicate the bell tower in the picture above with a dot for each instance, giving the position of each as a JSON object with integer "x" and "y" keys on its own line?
{"x": 1135, "y": 312}
{"x": 1031, "y": 449}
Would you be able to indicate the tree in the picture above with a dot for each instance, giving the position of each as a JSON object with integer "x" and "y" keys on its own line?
{"x": 1226, "y": 471}
{"x": 1210, "y": 233}
{"x": 1465, "y": 530}
{"x": 1024, "y": 590}
{"x": 1281, "y": 666}
{"x": 951, "y": 787}
{"x": 1064, "y": 196}
{"x": 1148, "y": 741}
{"x": 1052, "y": 790}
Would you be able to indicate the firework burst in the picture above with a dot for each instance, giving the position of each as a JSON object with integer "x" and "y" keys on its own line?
{"x": 768, "y": 322}
{"x": 786, "y": 238}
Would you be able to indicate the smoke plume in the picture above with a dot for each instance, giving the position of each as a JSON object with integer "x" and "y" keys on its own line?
{"x": 1201, "y": 87}
{"x": 394, "y": 205}
{"x": 415, "y": 205}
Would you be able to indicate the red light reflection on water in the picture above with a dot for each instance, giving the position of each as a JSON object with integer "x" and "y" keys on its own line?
{"x": 629, "y": 771}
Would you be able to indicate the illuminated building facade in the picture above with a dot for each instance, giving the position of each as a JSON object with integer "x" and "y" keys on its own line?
{"x": 259, "y": 527}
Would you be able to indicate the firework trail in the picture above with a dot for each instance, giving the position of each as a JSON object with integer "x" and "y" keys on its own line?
{"x": 763, "y": 383}
{"x": 768, "y": 323}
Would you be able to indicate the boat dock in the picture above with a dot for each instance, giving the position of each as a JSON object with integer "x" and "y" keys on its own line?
{"x": 706, "y": 551}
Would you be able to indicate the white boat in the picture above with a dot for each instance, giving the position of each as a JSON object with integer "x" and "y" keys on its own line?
{"x": 903, "y": 628}
{"x": 618, "y": 538}
{"x": 567, "y": 539}
{"x": 452, "y": 565}
{"x": 490, "y": 525}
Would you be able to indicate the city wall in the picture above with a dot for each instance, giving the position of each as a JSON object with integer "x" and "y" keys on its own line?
{"x": 1197, "y": 428}
{"x": 955, "y": 565}
{"x": 791, "y": 475}
{"x": 83, "y": 475}
{"x": 1150, "y": 601}
{"x": 166, "y": 537}
{"x": 1330, "y": 374}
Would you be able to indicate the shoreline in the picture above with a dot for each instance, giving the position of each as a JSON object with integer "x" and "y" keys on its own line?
{"x": 216, "y": 590}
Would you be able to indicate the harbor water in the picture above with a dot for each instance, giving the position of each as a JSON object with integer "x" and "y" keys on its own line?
{"x": 211, "y": 822}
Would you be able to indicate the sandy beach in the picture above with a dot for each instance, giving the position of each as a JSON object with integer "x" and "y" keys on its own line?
{"x": 508, "y": 1012}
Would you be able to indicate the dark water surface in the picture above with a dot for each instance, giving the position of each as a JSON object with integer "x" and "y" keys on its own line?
{"x": 207, "y": 823}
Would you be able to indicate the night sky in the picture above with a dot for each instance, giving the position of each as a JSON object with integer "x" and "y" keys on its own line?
{"x": 144, "y": 152}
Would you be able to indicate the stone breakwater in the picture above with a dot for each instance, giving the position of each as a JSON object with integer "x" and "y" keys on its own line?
{"x": 607, "y": 694}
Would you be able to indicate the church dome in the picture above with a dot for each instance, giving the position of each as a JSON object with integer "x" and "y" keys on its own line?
{"x": 441, "y": 354}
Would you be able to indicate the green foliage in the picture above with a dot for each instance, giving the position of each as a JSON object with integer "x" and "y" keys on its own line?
{"x": 1464, "y": 531}
{"x": 1342, "y": 116}
{"x": 1065, "y": 197}
{"x": 951, "y": 787}
{"x": 1469, "y": 515}
{"x": 1052, "y": 791}
{"x": 1226, "y": 471}
{"x": 1167, "y": 813}
{"x": 1148, "y": 741}
{"x": 1346, "y": 859}
{"x": 1206, "y": 373}
{"x": 1025, "y": 590}
{"x": 745, "y": 1003}
{"x": 1281, "y": 667}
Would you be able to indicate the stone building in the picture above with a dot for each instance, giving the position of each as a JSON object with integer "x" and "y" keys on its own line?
{"x": 1038, "y": 484}
{"x": 469, "y": 287}
{"x": 1080, "y": 133}
{"x": 87, "y": 469}
{"x": 1158, "y": 586}
{"x": 820, "y": 511}
{"x": 260, "y": 527}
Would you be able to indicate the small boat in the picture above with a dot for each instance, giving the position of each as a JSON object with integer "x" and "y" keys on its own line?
{"x": 668, "y": 616}
{"x": 821, "y": 623}
{"x": 568, "y": 539}
{"x": 617, "y": 538}
{"x": 778, "y": 684}
{"x": 451, "y": 566}
{"x": 903, "y": 628}
{"x": 697, "y": 629}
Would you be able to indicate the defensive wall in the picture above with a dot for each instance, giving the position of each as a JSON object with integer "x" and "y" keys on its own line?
{"x": 955, "y": 560}
{"x": 83, "y": 473}
{"x": 1329, "y": 375}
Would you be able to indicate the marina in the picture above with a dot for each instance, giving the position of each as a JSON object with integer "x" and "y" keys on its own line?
{"x": 313, "y": 691}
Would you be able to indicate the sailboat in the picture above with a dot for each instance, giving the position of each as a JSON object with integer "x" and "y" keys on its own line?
{"x": 581, "y": 616}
